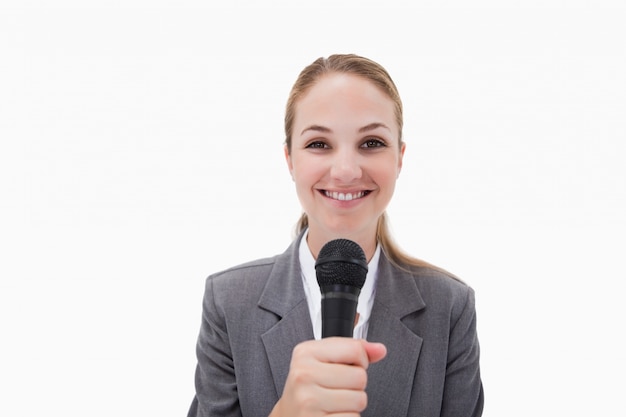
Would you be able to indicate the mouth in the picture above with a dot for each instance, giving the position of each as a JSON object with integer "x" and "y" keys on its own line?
{"x": 335, "y": 195}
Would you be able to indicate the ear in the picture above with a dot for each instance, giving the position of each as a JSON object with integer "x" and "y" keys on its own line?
{"x": 402, "y": 149}
{"x": 288, "y": 159}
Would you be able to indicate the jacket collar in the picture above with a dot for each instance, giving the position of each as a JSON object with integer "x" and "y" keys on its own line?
{"x": 284, "y": 290}
{"x": 284, "y": 296}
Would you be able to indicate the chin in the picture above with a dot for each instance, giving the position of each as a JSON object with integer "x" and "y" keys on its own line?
{"x": 342, "y": 228}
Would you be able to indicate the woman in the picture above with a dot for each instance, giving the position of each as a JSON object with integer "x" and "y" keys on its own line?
{"x": 259, "y": 349}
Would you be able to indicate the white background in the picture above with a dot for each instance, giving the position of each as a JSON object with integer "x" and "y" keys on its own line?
{"x": 141, "y": 150}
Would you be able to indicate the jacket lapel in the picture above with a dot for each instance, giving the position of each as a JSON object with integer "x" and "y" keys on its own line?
{"x": 391, "y": 380}
{"x": 284, "y": 296}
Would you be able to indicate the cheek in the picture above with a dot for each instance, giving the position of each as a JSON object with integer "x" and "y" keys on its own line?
{"x": 306, "y": 170}
{"x": 386, "y": 172}
{"x": 388, "y": 180}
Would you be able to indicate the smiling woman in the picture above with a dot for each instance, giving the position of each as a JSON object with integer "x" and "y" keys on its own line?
{"x": 259, "y": 350}
{"x": 346, "y": 144}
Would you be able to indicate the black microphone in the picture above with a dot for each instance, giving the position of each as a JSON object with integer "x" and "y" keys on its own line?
{"x": 341, "y": 269}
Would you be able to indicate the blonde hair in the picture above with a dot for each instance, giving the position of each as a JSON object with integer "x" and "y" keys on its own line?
{"x": 375, "y": 73}
{"x": 347, "y": 64}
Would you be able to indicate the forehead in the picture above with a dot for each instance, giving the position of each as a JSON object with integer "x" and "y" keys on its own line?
{"x": 340, "y": 96}
{"x": 337, "y": 84}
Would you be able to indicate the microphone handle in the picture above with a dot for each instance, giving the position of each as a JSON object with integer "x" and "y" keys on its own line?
{"x": 339, "y": 304}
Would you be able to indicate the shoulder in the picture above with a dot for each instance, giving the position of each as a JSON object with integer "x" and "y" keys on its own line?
{"x": 256, "y": 270}
{"x": 443, "y": 290}
{"x": 245, "y": 268}
{"x": 437, "y": 279}
{"x": 249, "y": 272}
{"x": 233, "y": 292}
{"x": 406, "y": 289}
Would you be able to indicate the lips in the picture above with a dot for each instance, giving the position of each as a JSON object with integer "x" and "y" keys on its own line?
{"x": 336, "y": 195}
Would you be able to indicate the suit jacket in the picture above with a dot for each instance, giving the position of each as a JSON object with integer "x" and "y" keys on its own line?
{"x": 256, "y": 313}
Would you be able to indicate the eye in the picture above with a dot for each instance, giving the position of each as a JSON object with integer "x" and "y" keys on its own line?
{"x": 317, "y": 145}
{"x": 373, "y": 143}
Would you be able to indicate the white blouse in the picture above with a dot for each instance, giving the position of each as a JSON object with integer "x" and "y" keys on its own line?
{"x": 314, "y": 295}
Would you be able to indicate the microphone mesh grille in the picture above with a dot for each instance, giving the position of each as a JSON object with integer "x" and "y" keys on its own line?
{"x": 341, "y": 261}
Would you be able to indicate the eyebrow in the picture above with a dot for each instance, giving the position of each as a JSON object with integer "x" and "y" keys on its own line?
{"x": 373, "y": 126}
{"x": 367, "y": 128}
{"x": 316, "y": 128}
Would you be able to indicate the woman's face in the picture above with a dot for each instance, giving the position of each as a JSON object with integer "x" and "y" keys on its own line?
{"x": 345, "y": 156}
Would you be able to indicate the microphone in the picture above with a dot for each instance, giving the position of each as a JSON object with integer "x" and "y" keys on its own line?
{"x": 341, "y": 269}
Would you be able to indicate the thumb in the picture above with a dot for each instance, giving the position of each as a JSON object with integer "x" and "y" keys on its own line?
{"x": 375, "y": 351}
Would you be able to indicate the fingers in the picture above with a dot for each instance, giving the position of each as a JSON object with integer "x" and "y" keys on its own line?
{"x": 333, "y": 350}
{"x": 329, "y": 376}
{"x": 344, "y": 401}
{"x": 343, "y": 350}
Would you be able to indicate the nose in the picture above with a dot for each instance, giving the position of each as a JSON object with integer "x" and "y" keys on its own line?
{"x": 346, "y": 166}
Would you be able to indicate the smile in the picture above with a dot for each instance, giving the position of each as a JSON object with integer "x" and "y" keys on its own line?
{"x": 345, "y": 196}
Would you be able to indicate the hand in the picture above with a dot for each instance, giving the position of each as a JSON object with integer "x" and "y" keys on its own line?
{"x": 328, "y": 377}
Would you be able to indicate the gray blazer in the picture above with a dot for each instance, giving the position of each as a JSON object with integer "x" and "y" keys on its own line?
{"x": 256, "y": 313}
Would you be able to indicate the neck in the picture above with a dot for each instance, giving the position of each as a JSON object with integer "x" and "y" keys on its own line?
{"x": 366, "y": 241}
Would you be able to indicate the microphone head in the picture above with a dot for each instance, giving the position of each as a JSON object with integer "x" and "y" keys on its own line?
{"x": 341, "y": 262}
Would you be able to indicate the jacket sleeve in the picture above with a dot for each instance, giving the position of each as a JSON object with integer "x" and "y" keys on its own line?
{"x": 216, "y": 385}
{"x": 463, "y": 391}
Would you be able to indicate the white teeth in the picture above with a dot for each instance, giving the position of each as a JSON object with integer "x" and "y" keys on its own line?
{"x": 344, "y": 196}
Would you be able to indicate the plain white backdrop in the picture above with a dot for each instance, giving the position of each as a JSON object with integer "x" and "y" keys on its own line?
{"x": 141, "y": 150}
